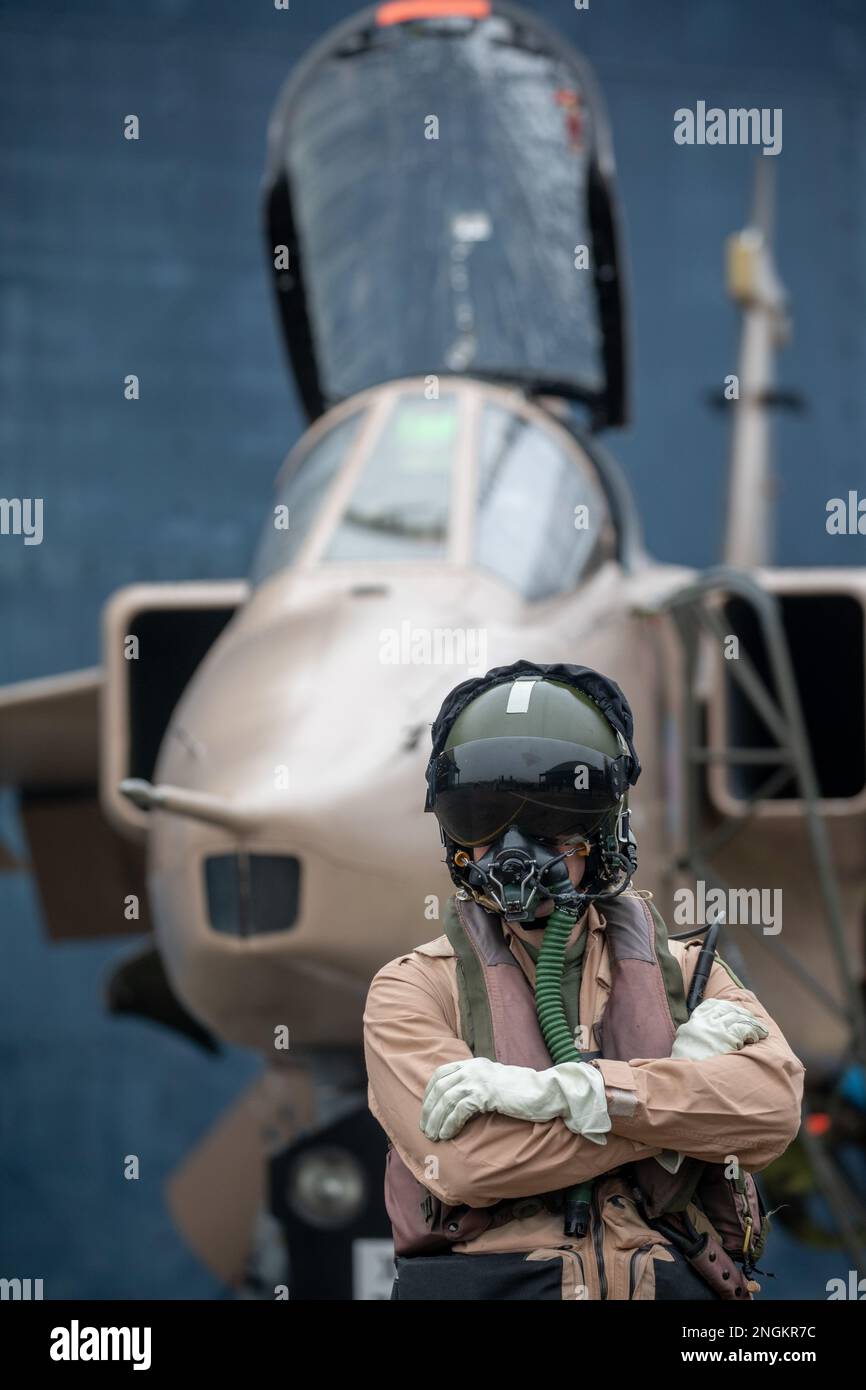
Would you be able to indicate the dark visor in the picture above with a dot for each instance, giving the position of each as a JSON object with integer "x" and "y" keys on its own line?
{"x": 547, "y": 787}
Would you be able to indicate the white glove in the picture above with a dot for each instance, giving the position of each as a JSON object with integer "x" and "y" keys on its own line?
{"x": 716, "y": 1026}
{"x": 573, "y": 1091}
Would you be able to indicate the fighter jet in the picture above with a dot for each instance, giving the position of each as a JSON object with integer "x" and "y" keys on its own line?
{"x": 242, "y": 780}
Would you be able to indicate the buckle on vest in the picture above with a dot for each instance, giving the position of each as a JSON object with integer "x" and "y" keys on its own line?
{"x": 427, "y": 1209}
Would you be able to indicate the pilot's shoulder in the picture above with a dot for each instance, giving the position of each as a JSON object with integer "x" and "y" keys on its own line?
{"x": 680, "y": 950}
{"x": 415, "y": 961}
{"x": 683, "y": 950}
{"x": 439, "y": 946}
{"x": 721, "y": 977}
{"x": 426, "y": 971}
{"x": 686, "y": 951}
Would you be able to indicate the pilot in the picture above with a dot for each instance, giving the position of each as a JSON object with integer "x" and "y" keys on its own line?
{"x": 574, "y": 1103}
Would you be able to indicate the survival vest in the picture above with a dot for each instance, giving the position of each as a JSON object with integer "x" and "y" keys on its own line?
{"x": 645, "y": 1006}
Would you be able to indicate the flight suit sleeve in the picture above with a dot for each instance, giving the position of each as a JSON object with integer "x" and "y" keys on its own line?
{"x": 407, "y": 1035}
{"x": 743, "y": 1104}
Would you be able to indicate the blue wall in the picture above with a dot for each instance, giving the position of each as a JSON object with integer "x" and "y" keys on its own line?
{"x": 119, "y": 257}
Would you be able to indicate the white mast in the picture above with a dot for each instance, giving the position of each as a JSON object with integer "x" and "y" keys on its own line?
{"x": 755, "y": 286}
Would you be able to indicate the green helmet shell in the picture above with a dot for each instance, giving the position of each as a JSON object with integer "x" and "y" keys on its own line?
{"x": 534, "y": 753}
{"x": 548, "y": 709}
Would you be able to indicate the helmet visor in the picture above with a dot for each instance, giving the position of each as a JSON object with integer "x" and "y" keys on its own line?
{"x": 551, "y": 789}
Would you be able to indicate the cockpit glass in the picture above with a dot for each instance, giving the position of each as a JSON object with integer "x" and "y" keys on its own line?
{"x": 400, "y": 506}
{"x": 541, "y": 520}
{"x": 541, "y": 517}
{"x": 299, "y": 498}
{"x": 461, "y": 158}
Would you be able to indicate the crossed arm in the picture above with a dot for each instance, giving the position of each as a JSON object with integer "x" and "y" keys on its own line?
{"x": 407, "y": 1035}
{"x": 746, "y": 1103}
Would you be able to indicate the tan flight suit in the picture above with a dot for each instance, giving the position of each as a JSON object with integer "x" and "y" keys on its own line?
{"x": 744, "y": 1104}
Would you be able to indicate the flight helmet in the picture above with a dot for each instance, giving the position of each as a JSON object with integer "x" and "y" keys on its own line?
{"x": 532, "y": 766}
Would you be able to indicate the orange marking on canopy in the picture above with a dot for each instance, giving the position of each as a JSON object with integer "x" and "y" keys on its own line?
{"x": 399, "y": 11}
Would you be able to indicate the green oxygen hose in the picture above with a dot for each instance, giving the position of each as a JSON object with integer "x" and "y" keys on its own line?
{"x": 559, "y": 1040}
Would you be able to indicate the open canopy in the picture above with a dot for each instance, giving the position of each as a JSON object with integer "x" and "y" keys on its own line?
{"x": 432, "y": 178}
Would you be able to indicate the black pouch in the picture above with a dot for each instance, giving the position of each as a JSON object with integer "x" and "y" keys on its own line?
{"x": 468, "y": 1278}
